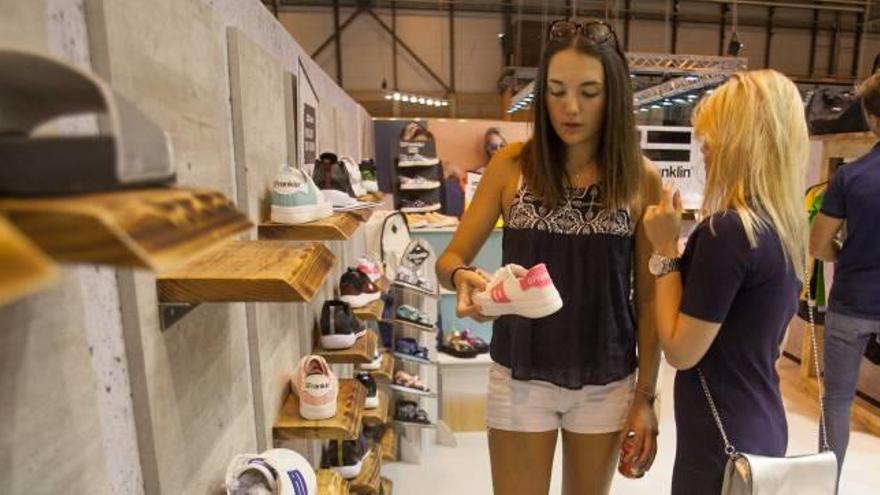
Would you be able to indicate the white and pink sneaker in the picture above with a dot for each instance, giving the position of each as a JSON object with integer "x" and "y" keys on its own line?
{"x": 369, "y": 268}
{"x": 514, "y": 290}
{"x": 317, "y": 388}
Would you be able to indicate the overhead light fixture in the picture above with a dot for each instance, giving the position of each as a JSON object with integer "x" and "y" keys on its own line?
{"x": 644, "y": 110}
{"x": 667, "y": 103}
{"x": 396, "y": 96}
{"x": 680, "y": 101}
{"x": 656, "y": 107}
{"x": 735, "y": 46}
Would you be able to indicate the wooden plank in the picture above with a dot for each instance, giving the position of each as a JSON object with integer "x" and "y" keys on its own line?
{"x": 337, "y": 227}
{"x": 380, "y": 414}
{"x": 362, "y": 351}
{"x": 386, "y": 372}
{"x": 149, "y": 228}
{"x": 249, "y": 271}
{"x": 368, "y": 482}
{"x": 387, "y": 486}
{"x": 389, "y": 444}
{"x": 346, "y": 425}
{"x": 24, "y": 269}
{"x": 330, "y": 483}
{"x": 370, "y": 312}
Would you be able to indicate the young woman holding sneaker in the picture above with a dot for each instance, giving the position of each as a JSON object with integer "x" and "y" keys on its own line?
{"x": 572, "y": 198}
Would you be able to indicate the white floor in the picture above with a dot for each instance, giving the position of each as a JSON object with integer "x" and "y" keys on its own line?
{"x": 464, "y": 470}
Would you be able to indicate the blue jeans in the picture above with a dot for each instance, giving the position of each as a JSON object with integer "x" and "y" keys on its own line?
{"x": 845, "y": 340}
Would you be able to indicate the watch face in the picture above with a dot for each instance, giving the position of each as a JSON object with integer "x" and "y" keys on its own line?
{"x": 656, "y": 264}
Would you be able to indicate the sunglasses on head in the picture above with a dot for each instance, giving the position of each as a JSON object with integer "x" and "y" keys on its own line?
{"x": 598, "y": 32}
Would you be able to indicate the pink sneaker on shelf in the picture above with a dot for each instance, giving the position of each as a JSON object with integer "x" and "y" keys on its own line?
{"x": 317, "y": 388}
{"x": 514, "y": 290}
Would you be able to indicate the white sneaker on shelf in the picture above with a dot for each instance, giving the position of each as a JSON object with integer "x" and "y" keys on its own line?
{"x": 514, "y": 290}
{"x": 415, "y": 183}
{"x": 416, "y": 160}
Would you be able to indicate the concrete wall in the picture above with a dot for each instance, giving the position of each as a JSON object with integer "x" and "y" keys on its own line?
{"x": 98, "y": 398}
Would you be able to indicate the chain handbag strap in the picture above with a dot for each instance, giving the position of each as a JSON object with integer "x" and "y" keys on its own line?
{"x": 729, "y": 449}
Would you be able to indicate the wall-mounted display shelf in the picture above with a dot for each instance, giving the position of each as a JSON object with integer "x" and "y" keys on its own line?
{"x": 346, "y": 425}
{"x": 150, "y": 228}
{"x": 24, "y": 269}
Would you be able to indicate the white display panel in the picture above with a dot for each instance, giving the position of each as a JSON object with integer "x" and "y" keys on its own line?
{"x": 677, "y": 155}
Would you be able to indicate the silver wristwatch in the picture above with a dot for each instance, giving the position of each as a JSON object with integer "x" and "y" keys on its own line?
{"x": 660, "y": 265}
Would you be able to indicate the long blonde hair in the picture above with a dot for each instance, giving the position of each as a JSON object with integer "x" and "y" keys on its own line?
{"x": 756, "y": 133}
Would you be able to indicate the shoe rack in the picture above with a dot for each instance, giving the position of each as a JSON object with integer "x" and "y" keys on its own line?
{"x": 430, "y": 195}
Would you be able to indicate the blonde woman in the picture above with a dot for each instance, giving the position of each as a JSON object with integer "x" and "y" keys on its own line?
{"x": 723, "y": 306}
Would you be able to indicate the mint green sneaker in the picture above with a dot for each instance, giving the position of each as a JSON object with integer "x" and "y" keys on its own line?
{"x": 296, "y": 199}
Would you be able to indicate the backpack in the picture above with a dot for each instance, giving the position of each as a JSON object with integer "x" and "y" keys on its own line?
{"x": 387, "y": 237}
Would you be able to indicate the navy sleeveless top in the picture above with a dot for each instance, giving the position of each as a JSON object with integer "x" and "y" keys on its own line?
{"x": 588, "y": 251}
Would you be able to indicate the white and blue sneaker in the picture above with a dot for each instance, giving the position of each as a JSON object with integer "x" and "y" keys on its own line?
{"x": 296, "y": 199}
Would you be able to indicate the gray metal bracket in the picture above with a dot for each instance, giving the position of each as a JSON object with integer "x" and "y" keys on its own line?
{"x": 171, "y": 313}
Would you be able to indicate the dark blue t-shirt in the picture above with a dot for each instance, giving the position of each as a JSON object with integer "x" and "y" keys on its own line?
{"x": 753, "y": 293}
{"x": 854, "y": 195}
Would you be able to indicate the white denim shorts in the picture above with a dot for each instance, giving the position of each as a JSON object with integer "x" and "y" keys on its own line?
{"x": 536, "y": 406}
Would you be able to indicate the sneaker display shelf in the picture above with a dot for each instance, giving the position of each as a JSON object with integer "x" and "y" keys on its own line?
{"x": 368, "y": 482}
{"x": 387, "y": 487}
{"x": 389, "y": 444}
{"x": 361, "y": 352}
{"x": 345, "y": 425}
{"x": 386, "y": 369}
{"x": 417, "y": 177}
{"x": 151, "y": 228}
{"x": 26, "y": 269}
{"x": 330, "y": 483}
{"x": 238, "y": 271}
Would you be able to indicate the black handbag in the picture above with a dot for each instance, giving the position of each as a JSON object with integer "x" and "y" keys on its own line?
{"x": 835, "y": 110}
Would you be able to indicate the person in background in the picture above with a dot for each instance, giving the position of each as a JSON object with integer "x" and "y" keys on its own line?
{"x": 851, "y": 200}
{"x": 493, "y": 142}
{"x": 724, "y": 305}
{"x": 572, "y": 197}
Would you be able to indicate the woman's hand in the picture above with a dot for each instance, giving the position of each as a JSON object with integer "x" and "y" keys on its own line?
{"x": 467, "y": 282}
{"x": 663, "y": 222}
{"x": 643, "y": 423}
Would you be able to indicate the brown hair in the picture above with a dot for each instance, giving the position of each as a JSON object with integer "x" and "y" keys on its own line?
{"x": 619, "y": 157}
{"x": 869, "y": 91}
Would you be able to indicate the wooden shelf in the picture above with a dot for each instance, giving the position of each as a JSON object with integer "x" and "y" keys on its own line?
{"x": 380, "y": 414}
{"x": 249, "y": 271}
{"x": 346, "y": 425}
{"x": 370, "y": 312}
{"x": 373, "y": 197}
{"x": 387, "y": 486}
{"x": 330, "y": 483}
{"x": 151, "y": 228}
{"x": 337, "y": 227}
{"x": 386, "y": 372}
{"x": 389, "y": 444}
{"x": 362, "y": 351}
{"x": 25, "y": 269}
{"x": 367, "y": 483}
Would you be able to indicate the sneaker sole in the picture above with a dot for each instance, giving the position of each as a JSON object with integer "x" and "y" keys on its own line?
{"x": 421, "y": 209}
{"x": 300, "y": 214}
{"x": 533, "y": 309}
{"x": 317, "y": 413}
{"x": 426, "y": 163}
{"x": 371, "y": 402}
{"x": 361, "y": 300}
{"x": 349, "y": 472}
{"x": 338, "y": 341}
{"x": 419, "y": 187}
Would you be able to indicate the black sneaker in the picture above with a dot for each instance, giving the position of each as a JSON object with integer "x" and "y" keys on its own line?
{"x": 357, "y": 289}
{"x": 409, "y": 412}
{"x": 345, "y": 457}
{"x": 372, "y": 401}
{"x": 330, "y": 173}
{"x": 417, "y": 206}
{"x": 340, "y": 329}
